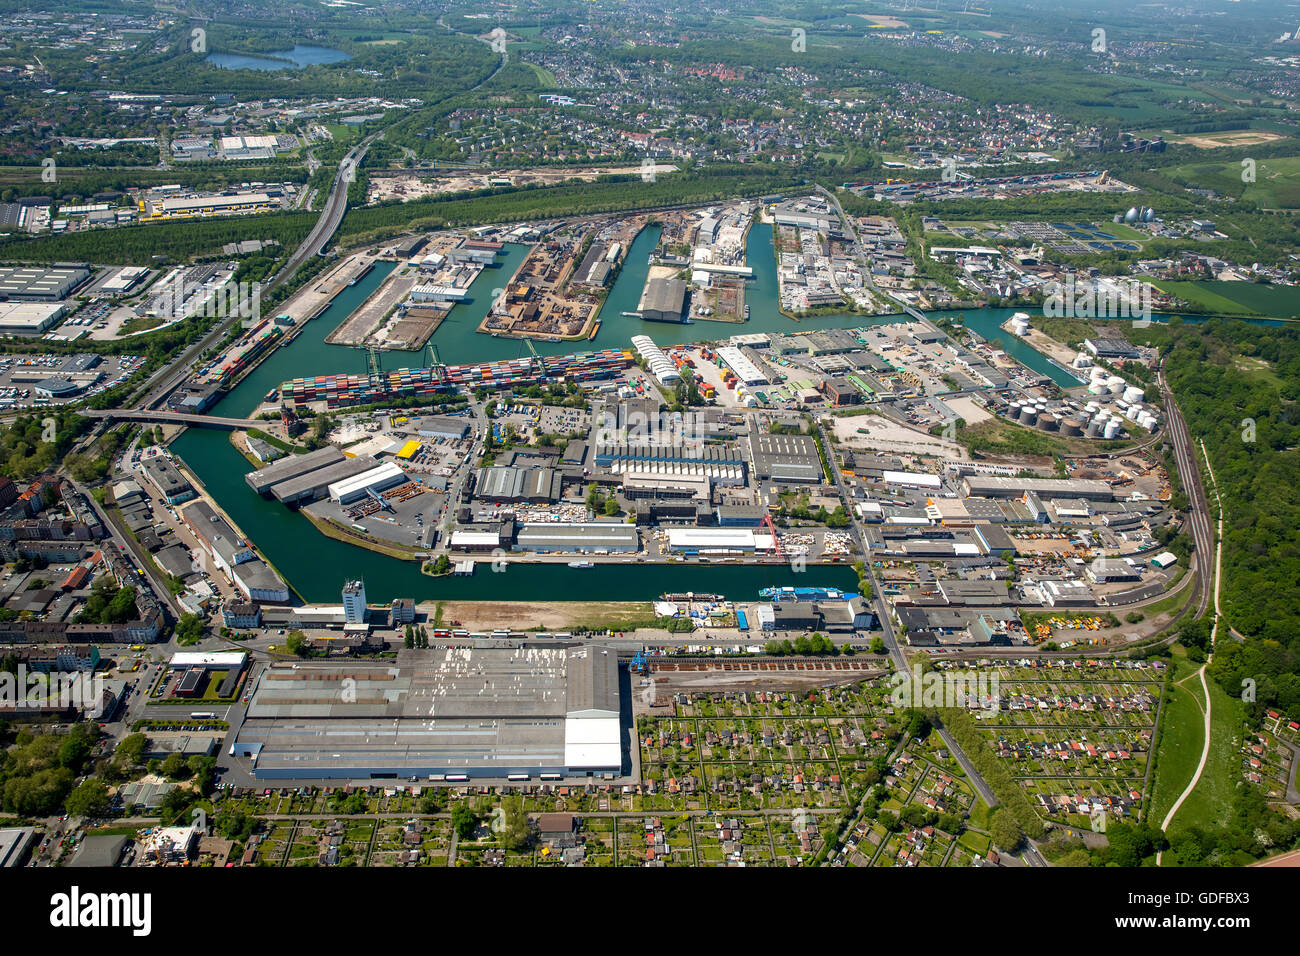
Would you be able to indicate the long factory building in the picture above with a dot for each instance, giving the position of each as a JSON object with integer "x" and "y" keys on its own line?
{"x": 995, "y": 486}
{"x": 444, "y": 715}
{"x": 292, "y": 466}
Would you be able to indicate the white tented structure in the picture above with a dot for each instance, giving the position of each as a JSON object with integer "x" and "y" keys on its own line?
{"x": 655, "y": 359}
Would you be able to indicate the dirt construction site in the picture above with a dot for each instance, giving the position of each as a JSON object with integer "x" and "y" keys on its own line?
{"x": 879, "y": 434}
{"x": 524, "y": 616}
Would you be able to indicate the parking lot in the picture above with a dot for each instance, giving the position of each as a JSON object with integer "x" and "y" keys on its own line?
{"x": 19, "y": 375}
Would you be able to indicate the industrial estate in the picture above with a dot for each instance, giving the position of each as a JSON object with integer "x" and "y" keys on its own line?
{"x": 539, "y": 452}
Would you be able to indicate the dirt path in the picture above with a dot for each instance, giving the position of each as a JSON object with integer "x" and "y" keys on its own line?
{"x": 558, "y": 615}
{"x": 1205, "y": 688}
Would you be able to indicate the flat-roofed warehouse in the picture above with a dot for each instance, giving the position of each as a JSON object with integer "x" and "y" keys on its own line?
{"x": 583, "y": 538}
{"x": 292, "y": 466}
{"x": 439, "y": 426}
{"x": 356, "y": 487}
{"x": 786, "y": 458}
{"x": 443, "y": 714}
{"x": 511, "y": 484}
{"x": 665, "y": 300}
{"x": 315, "y": 484}
{"x": 996, "y": 486}
{"x": 39, "y": 283}
{"x": 30, "y": 318}
{"x": 190, "y": 205}
{"x": 167, "y": 478}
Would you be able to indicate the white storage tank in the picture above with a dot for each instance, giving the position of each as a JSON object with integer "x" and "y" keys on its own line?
{"x": 1111, "y": 429}
{"x": 1116, "y": 384}
{"x": 1134, "y": 394}
{"x": 1098, "y": 388}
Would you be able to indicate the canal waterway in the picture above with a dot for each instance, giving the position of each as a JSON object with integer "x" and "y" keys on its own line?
{"x": 316, "y": 566}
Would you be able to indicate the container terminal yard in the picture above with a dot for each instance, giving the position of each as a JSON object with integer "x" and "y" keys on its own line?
{"x": 338, "y": 391}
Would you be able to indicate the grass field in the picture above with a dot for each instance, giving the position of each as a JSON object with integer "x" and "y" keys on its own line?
{"x": 1211, "y": 801}
{"x": 1276, "y": 185}
{"x": 1260, "y": 370}
{"x": 544, "y": 76}
{"x": 1238, "y": 298}
{"x": 1181, "y": 740}
{"x": 1122, "y": 230}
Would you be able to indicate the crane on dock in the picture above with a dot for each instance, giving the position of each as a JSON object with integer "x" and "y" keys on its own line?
{"x": 435, "y": 364}
{"x": 538, "y": 363}
{"x": 374, "y": 366}
{"x": 776, "y": 538}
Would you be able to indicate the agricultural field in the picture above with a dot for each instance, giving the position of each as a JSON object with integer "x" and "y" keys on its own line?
{"x": 1237, "y": 298}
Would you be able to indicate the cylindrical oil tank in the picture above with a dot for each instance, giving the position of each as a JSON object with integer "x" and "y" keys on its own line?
{"x": 1028, "y": 415}
{"x": 1111, "y": 429}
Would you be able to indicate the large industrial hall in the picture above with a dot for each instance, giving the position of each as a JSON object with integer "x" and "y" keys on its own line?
{"x": 440, "y": 715}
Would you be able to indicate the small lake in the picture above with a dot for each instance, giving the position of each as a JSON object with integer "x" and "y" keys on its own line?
{"x": 294, "y": 59}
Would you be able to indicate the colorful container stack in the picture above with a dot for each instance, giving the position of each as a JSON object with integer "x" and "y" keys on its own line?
{"x": 341, "y": 390}
{"x": 261, "y": 341}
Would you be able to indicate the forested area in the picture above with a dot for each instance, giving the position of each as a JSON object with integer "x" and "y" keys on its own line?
{"x": 37, "y": 772}
{"x": 427, "y": 65}
{"x": 33, "y": 443}
{"x": 607, "y": 194}
{"x": 1238, "y": 385}
{"x": 179, "y": 240}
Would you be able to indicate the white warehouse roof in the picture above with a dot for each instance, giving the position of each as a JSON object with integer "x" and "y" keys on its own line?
{"x": 911, "y": 478}
{"x": 385, "y": 475}
{"x": 745, "y": 370}
{"x": 718, "y": 539}
{"x": 592, "y": 743}
{"x": 209, "y": 659}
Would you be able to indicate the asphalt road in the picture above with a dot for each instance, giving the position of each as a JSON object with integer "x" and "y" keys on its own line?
{"x": 1031, "y": 854}
{"x": 168, "y": 378}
